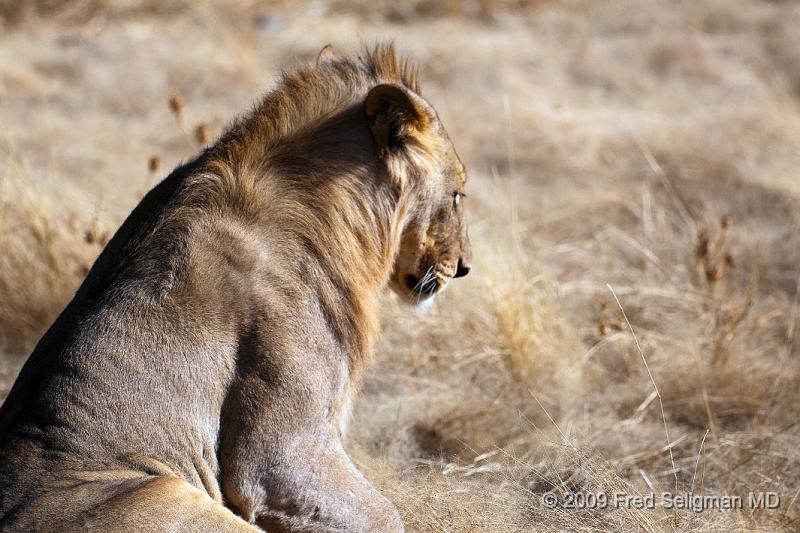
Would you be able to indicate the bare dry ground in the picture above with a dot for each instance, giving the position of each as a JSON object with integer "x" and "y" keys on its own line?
{"x": 652, "y": 148}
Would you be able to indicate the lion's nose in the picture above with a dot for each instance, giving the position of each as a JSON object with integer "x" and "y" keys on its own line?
{"x": 462, "y": 269}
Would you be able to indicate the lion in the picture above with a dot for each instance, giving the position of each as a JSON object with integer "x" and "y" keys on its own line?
{"x": 201, "y": 377}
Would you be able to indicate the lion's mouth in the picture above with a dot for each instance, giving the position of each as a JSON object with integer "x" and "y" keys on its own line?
{"x": 426, "y": 286}
{"x": 420, "y": 286}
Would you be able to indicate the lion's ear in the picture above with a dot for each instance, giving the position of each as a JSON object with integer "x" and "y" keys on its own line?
{"x": 325, "y": 55}
{"x": 394, "y": 116}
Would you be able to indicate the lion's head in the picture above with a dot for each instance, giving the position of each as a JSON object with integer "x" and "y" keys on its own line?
{"x": 421, "y": 160}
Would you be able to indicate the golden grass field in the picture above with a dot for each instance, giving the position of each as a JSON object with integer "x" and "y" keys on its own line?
{"x": 649, "y": 148}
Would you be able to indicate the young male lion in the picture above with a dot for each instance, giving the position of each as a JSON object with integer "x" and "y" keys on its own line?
{"x": 200, "y": 378}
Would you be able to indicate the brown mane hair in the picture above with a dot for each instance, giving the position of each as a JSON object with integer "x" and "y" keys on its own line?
{"x": 302, "y": 164}
{"x": 306, "y": 96}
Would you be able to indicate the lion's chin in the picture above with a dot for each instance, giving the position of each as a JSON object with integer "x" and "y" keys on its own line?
{"x": 417, "y": 301}
{"x": 424, "y": 305}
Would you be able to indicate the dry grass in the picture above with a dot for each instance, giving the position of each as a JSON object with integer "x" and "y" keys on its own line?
{"x": 45, "y": 254}
{"x": 647, "y": 146}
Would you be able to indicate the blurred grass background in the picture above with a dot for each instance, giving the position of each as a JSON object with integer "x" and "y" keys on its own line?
{"x": 650, "y": 146}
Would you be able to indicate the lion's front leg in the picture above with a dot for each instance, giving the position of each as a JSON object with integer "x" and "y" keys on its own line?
{"x": 283, "y": 466}
{"x": 323, "y": 491}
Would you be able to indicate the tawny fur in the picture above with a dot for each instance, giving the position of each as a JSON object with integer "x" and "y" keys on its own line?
{"x": 200, "y": 378}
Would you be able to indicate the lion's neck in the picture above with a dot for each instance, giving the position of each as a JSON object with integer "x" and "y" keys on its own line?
{"x": 320, "y": 202}
{"x": 349, "y": 235}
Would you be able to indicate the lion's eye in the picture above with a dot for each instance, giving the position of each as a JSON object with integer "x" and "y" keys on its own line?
{"x": 457, "y": 198}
